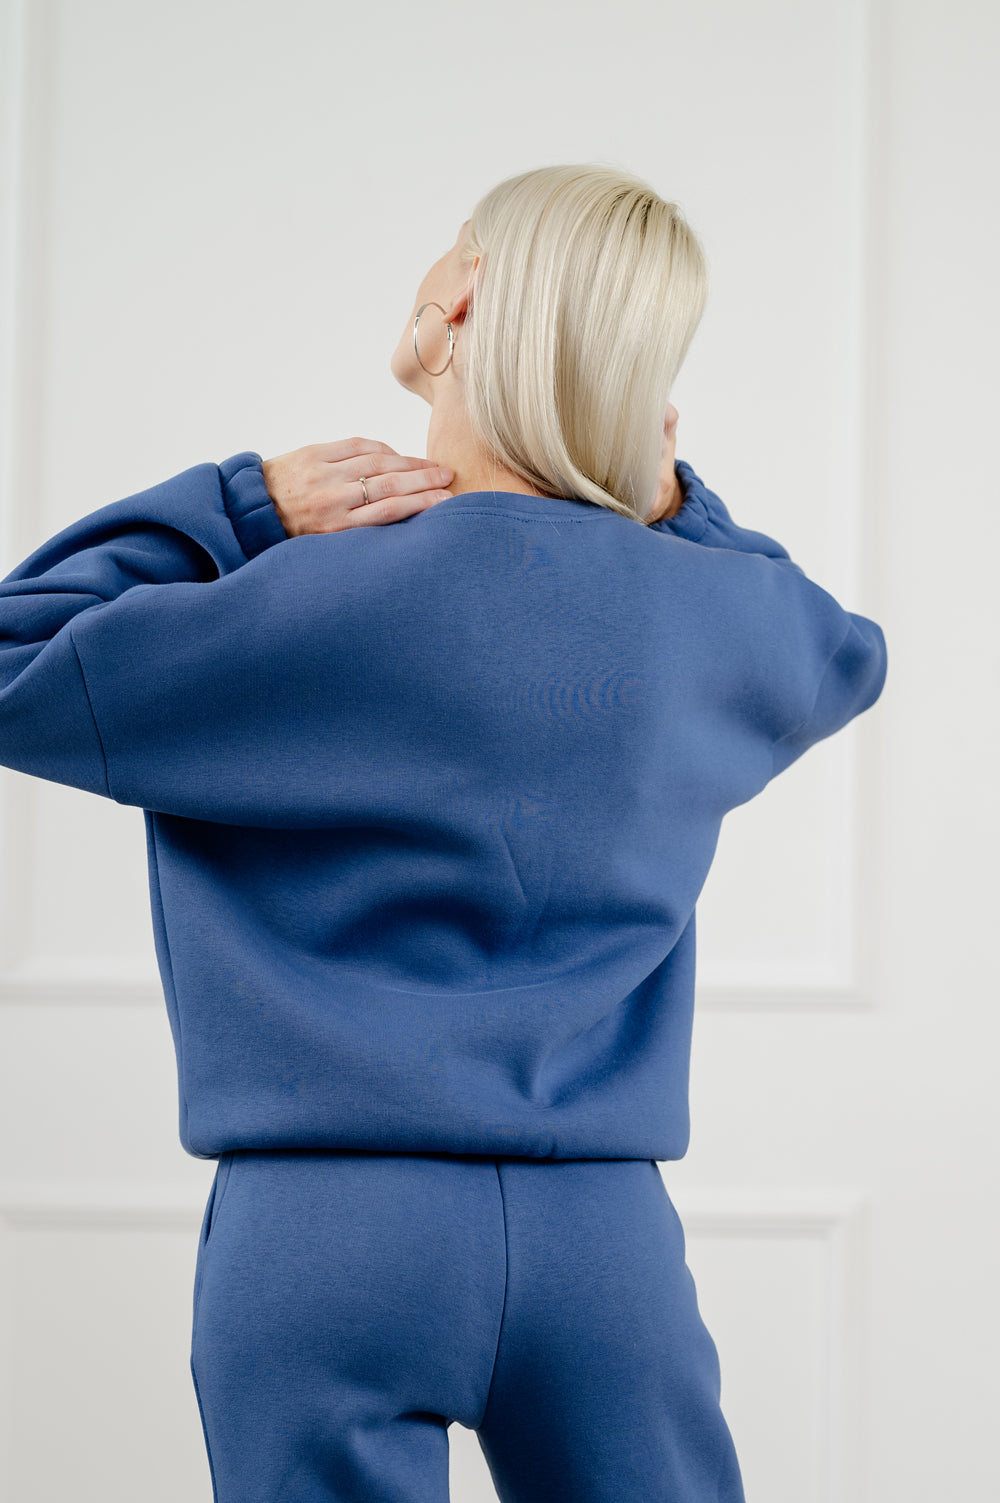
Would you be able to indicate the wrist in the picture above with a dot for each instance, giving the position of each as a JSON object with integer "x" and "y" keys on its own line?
{"x": 668, "y": 503}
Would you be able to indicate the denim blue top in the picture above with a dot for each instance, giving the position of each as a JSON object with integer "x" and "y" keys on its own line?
{"x": 428, "y": 805}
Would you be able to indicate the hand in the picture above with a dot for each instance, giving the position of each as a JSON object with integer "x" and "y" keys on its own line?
{"x": 317, "y": 489}
{"x": 669, "y": 496}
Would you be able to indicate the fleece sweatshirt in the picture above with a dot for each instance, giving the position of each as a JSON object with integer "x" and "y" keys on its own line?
{"x": 428, "y": 805}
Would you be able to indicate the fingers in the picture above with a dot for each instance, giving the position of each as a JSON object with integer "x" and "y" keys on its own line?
{"x": 393, "y": 509}
{"x": 407, "y": 482}
{"x": 321, "y": 491}
{"x": 347, "y": 448}
{"x": 374, "y": 465}
{"x": 395, "y": 496}
{"x": 365, "y": 457}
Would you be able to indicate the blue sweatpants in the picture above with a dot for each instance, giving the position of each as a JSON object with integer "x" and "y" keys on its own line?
{"x": 349, "y": 1306}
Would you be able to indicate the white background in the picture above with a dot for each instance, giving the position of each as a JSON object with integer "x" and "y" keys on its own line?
{"x": 215, "y": 218}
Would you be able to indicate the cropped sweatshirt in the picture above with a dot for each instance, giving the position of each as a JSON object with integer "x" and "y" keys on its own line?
{"x": 428, "y": 805}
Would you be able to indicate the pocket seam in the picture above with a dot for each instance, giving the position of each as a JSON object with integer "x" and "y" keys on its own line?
{"x": 221, "y": 1182}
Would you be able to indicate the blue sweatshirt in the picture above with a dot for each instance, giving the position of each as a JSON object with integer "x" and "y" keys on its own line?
{"x": 428, "y": 805}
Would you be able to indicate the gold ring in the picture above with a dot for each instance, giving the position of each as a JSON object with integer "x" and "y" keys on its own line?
{"x": 364, "y": 488}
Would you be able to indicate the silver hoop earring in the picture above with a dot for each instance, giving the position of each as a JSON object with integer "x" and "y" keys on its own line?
{"x": 451, "y": 341}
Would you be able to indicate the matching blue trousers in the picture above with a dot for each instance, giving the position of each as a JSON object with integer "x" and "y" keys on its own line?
{"x": 350, "y": 1306}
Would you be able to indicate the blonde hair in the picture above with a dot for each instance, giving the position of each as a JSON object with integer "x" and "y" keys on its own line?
{"x": 588, "y": 293}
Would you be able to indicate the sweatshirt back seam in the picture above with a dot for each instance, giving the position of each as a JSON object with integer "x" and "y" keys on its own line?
{"x": 174, "y": 1004}
{"x": 553, "y": 520}
{"x": 90, "y": 707}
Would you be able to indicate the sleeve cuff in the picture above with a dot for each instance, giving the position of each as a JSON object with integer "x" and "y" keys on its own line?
{"x": 249, "y": 507}
{"x": 704, "y": 518}
{"x": 692, "y": 518}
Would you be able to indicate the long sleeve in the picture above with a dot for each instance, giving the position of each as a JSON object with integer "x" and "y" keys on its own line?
{"x": 704, "y": 518}
{"x": 204, "y": 523}
{"x": 836, "y": 660}
{"x": 177, "y": 652}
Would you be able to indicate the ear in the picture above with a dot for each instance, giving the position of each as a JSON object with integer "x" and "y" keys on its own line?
{"x": 459, "y": 309}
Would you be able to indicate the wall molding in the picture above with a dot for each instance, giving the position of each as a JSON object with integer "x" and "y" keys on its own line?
{"x": 835, "y": 1219}
{"x": 718, "y": 1211}
{"x": 39, "y": 988}
{"x": 73, "y": 1205}
{"x": 839, "y": 1222}
{"x": 26, "y": 32}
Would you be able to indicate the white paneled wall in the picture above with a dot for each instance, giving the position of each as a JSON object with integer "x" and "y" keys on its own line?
{"x": 213, "y": 221}
{"x": 102, "y": 1279}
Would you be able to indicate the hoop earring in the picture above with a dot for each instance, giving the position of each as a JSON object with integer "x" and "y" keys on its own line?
{"x": 451, "y": 342}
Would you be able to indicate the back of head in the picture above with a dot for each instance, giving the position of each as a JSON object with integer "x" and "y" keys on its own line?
{"x": 588, "y": 293}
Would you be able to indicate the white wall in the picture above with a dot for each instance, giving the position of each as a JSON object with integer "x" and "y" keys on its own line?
{"x": 215, "y": 218}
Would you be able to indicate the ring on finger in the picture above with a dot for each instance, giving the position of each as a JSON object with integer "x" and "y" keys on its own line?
{"x": 364, "y": 489}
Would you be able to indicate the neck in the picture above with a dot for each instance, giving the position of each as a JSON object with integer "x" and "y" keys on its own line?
{"x": 450, "y": 442}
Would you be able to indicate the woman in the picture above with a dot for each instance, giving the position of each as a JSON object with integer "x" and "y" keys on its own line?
{"x": 428, "y": 807}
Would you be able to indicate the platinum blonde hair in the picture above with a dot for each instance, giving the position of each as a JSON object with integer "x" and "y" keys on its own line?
{"x": 589, "y": 290}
